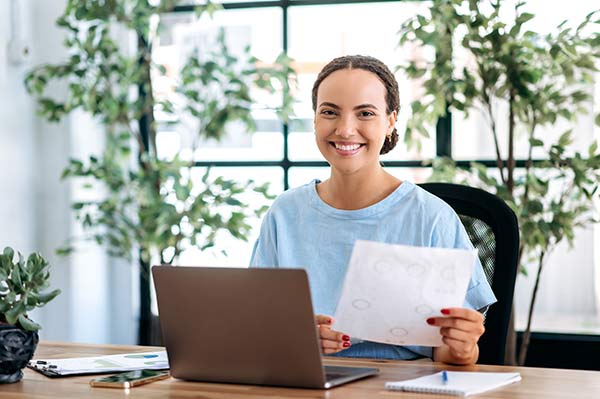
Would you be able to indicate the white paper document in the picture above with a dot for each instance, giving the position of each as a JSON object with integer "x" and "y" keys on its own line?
{"x": 391, "y": 290}
{"x": 101, "y": 364}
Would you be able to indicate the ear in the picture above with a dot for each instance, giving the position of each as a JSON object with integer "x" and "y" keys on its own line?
{"x": 392, "y": 118}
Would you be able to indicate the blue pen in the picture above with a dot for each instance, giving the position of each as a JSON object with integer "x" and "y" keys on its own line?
{"x": 444, "y": 377}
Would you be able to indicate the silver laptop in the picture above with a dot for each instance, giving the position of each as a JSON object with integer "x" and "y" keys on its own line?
{"x": 243, "y": 326}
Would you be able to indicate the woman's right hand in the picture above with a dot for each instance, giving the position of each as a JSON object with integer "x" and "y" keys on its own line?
{"x": 331, "y": 341}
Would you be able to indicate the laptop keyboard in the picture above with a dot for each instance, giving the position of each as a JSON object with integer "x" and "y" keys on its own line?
{"x": 335, "y": 372}
{"x": 333, "y": 376}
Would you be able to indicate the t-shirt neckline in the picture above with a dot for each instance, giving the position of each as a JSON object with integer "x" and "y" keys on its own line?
{"x": 404, "y": 188}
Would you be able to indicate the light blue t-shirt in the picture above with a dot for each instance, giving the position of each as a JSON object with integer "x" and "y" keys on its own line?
{"x": 301, "y": 231}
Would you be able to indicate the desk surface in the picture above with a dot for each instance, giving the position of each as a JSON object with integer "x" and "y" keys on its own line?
{"x": 536, "y": 382}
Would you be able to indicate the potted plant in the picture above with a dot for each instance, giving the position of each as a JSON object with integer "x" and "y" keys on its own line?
{"x": 154, "y": 208}
{"x": 540, "y": 80}
{"x": 22, "y": 289}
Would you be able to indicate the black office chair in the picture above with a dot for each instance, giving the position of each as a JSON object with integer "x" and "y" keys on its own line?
{"x": 493, "y": 229}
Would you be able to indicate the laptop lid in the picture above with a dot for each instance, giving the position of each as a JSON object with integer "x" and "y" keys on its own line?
{"x": 249, "y": 326}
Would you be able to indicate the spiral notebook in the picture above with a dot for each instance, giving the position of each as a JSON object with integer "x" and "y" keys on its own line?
{"x": 458, "y": 383}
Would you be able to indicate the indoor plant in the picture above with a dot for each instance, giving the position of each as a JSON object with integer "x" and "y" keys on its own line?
{"x": 22, "y": 285}
{"x": 153, "y": 208}
{"x": 540, "y": 79}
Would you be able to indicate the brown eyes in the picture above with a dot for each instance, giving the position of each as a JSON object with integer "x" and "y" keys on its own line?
{"x": 327, "y": 112}
{"x": 361, "y": 114}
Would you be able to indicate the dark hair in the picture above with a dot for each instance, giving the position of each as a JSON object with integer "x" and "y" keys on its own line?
{"x": 379, "y": 69}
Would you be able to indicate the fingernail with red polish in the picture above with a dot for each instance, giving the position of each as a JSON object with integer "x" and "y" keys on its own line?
{"x": 430, "y": 320}
{"x": 445, "y": 311}
{"x": 346, "y": 338}
{"x": 346, "y": 344}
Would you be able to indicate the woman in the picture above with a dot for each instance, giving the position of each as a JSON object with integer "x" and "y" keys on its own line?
{"x": 356, "y": 104}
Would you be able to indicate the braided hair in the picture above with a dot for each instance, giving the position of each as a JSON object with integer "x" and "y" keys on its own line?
{"x": 378, "y": 68}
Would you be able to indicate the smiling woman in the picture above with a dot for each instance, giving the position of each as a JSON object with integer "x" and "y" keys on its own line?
{"x": 314, "y": 226}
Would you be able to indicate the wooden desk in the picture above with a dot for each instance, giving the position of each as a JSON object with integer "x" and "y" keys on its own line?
{"x": 536, "y": 383}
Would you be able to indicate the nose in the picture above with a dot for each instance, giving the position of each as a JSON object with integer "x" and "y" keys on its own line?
{"x": 346, "y": 126}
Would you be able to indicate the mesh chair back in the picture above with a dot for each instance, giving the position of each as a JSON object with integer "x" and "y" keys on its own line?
{"x": 493, "y": 229}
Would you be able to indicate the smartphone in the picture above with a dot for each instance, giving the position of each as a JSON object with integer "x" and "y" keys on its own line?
{"x": 129, "y": 379}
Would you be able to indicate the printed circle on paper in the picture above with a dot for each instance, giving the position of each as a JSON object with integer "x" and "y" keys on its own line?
{"x": 424, "y": 309}
{"x": 361, "y": 304}
{"x": 416, "y": 270}
{"x": 398, "y": 332}
{"x": 383, "y": 266}
{"x": 448, "y": 273}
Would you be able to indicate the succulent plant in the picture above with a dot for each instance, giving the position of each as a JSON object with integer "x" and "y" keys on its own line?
{"x": 22, "y": 285}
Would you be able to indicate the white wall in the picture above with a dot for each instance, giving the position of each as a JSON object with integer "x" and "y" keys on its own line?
{"x": 52, "y": 145}
{"x": 17, "y": 195}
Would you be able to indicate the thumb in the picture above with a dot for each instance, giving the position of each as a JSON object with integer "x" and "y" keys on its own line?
{"x": 323, "y": 319}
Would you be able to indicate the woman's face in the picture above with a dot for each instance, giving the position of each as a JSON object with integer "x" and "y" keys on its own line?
{"x": 351, "y": 120}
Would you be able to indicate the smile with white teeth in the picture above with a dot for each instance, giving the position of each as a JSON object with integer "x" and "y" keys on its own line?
{"x": 350, "y": 147}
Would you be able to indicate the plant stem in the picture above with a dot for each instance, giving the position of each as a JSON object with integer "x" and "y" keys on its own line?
{"x": 510, "y": 353}
{"x": 127, "y": 122}
{"x": 147, "y": 96}
{"x": 495, "y": 136}
{"x": 527, "y": 332}
{"x": 144, "y": 325}
{"x": 529, "y": 161}
{"x": 147, "y": 129}
{"x": 510, "y": 164}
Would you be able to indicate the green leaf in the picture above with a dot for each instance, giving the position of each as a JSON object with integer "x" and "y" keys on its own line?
{"x": 233, "y": 201}
{"x": 524, "y": 17}
{"x": 13, "y": 314}
{"x": 64, "y": 251}
{"x": 27, "y": 324}
{"x": 48, "y": 296}
{"x": 536, "y": 142}
{"x": 9, "y": 253}
{"x": 592, "y": 149}
{"x": 535, "y": 207}
{"x": 181, "y": 192}
{"x": 565, "y": 138}
{"x": 15, "y": 276}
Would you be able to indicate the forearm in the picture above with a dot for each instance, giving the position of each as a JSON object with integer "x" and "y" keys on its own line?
{"x": 444, "y": 354}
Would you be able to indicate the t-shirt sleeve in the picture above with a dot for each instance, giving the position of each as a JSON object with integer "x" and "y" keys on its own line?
{"x": 264, "y": 253}
{"x": 449, "y": 232}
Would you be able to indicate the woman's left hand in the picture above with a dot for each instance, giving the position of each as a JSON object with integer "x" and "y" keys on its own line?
{"x": 460, "y": 329}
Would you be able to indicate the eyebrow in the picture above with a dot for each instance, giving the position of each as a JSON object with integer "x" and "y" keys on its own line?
{"x": 361, "y": 106}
